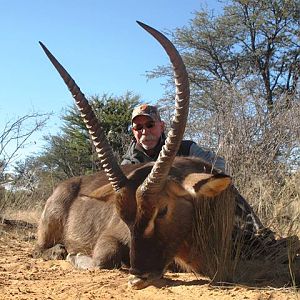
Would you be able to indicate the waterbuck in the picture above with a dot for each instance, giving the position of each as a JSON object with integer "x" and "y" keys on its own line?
{"x": 147, "y": 215}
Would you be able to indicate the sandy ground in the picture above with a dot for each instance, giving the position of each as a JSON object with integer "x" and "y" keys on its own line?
{"x": 23, "y": 277}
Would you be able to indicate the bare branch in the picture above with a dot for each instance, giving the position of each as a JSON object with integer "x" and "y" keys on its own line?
{"x": 16, "y": 134}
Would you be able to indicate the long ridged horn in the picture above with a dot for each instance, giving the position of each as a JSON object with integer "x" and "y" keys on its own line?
{"x": 104, "y": 150}
{"x": 157, "y": 177}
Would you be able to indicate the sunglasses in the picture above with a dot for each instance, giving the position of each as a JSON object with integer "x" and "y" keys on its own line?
{"x": 147, "y": 125}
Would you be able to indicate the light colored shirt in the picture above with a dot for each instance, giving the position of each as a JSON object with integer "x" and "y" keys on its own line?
{"x": 209, "y": 156}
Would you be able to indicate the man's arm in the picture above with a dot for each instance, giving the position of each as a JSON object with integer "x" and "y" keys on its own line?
{"x": 208, "y": 156}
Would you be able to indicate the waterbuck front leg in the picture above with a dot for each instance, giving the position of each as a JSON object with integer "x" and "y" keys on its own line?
{"x": 109, "y": 252}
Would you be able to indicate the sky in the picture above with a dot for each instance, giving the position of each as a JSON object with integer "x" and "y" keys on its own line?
{"x": 98, "y": 42}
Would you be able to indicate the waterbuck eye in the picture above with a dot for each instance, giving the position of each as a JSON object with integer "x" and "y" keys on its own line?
{"x": 162, "y": 212}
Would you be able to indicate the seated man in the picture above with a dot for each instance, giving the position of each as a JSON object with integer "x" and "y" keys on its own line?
{"x": 148, "y": 130}
{"x": 149, "y": 137}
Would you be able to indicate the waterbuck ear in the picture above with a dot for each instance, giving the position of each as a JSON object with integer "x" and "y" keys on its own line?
{"x": 208, "y": 185}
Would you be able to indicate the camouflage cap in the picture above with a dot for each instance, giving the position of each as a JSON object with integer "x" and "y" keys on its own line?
{"x": 146, "y": 110}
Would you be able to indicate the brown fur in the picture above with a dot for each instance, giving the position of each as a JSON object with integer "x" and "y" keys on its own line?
{"x": 77, "y": 214}
{"x": 88, "y": 217}
{"x": 190, "y": 222}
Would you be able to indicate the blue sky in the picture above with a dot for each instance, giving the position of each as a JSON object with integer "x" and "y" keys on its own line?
{"x": 98, "y": 42}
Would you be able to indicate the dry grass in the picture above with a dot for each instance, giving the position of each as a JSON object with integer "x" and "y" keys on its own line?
{"x": 277, "y": 205}
{"x": 30, "y": 216}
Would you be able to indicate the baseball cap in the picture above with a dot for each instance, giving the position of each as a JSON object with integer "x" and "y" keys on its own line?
{"x": 146, "y": 110}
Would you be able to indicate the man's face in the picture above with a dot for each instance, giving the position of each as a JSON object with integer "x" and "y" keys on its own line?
{"x": 146, "y": 131}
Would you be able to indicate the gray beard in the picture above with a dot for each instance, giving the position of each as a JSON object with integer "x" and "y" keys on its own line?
{"x": 148, "y": 138}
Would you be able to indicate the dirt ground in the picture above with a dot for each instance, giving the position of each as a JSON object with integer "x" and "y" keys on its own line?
{"x": 23, "y": 277}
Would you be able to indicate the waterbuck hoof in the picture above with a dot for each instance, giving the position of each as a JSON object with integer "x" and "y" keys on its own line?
{"x": 80, "y": 261}
{"x": 138, "y": 283}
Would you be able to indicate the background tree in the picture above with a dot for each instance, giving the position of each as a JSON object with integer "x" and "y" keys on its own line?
{"x": 31, "y": 183}
{"x": 72, "y": 153}
{"x": 243, "y": 67}
{"x": 14, "y": 137}
{"x": 250, "y": 52}
{"x": 253, "y": 41}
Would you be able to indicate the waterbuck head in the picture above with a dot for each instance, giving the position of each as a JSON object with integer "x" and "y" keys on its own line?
{"x": 155, "y": 203}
